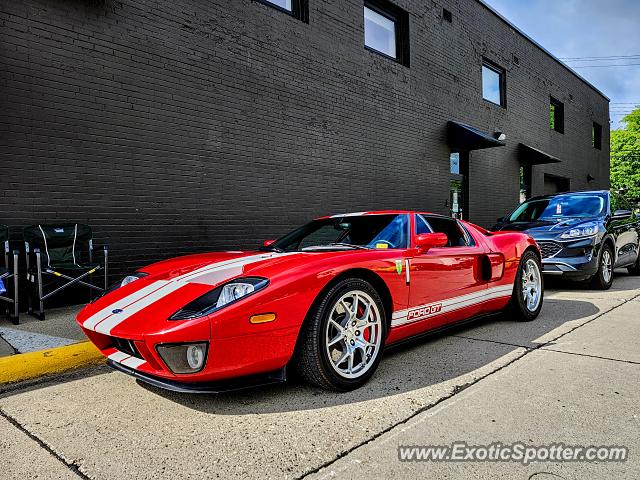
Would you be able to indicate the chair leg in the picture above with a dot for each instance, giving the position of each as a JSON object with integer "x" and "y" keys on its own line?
{"x": 15, "y": 318}
{"x": 40, "y": 287}
{"x": 106, "y": 267}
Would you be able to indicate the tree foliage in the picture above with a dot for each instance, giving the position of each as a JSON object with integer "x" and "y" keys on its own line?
{"x": 625, "y": 157}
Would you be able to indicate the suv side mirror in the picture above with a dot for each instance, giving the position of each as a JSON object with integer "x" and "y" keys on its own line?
{"x": 266, "y": 243}
{"x": 425, "y": 241}
{"x": 500, "y": 219}
{"x": 621, "y": 215}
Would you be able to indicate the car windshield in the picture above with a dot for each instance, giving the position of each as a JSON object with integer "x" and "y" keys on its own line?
{"x": 559, "y": 207}
{"x": 348, "y": 232}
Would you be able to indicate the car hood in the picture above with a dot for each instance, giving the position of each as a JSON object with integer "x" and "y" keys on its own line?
{"x": 545, "y": 229}
{"x": 146, "y": 304}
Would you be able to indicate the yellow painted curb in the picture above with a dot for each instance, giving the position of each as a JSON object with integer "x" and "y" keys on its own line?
{"x": 25, "y": 366}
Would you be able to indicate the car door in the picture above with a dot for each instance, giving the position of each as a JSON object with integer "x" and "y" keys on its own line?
{"x": 624, "y": 229}
{"x": 445, "y": 284}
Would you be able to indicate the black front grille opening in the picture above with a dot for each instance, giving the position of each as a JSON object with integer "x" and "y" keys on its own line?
{"x": 548, "y": 249}
{"x": 125, "y": 346}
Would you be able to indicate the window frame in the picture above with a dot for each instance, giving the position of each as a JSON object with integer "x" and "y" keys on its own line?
{"x": 299, "y": 9}
{"x": 471, "y": 242}
{"x": 400, "y": 19}
{"x": 558, "y": 118}
{"x": 502, "y": 74}
{"x": 596, "y": 135}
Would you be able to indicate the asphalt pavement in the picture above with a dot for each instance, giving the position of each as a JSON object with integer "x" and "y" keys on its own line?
{"x": 572, "y": 376}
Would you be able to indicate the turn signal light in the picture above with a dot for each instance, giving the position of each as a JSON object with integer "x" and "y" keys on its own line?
{"x": 263, "y": 318}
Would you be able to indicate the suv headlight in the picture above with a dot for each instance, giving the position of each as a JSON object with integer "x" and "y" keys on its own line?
{"x": 132, "y": 278}
{"x": 220, "y": 297}
{"x": 121, "y": 283}
{"x": 586, "y": 230}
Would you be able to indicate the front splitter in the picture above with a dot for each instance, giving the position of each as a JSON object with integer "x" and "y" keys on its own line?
{"x": 220, "y": 386}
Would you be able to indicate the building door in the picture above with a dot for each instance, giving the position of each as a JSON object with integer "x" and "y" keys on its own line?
{"x": 459, "y": 185}
{"x": 555, "y": 184}
{"x": 525, "y": 182}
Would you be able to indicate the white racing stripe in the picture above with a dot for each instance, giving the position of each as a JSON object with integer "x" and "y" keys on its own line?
{"x": 126, "y": 359}
{"x": 105, "y": 320}
{"x": 118, "y": 356}
{"x": 133, "y": 362}
{"x": 428, "y": 310}
{"x": 106, "y": 325}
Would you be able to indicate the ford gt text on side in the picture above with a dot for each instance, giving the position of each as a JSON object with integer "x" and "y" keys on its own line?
{"x": 324, "y": 299}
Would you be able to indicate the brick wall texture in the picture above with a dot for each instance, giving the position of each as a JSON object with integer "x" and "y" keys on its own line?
{"x": 185, "y": 125}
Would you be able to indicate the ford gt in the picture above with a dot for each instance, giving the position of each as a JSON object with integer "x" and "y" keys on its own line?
{"x": 324, "y": 300}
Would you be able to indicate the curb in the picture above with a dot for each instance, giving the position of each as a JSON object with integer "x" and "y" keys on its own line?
{"x": 27, "y": 366}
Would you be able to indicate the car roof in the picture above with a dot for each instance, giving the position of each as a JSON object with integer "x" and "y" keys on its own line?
{"x": 552, "y": 195}
{"x": 377, "y": 212}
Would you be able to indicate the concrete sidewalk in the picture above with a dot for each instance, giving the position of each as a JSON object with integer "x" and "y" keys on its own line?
{"x": 59, "y": 329}
{"x": 570, "y": 376}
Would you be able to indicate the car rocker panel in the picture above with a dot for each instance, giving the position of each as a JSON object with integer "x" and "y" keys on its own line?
{"x": 202, "y": 319}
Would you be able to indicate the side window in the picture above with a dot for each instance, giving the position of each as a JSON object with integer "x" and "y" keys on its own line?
{"x": 422, "y": 226}
{"x": 457, "y": 236}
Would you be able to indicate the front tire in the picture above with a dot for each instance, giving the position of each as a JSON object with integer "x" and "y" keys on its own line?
{"x": 528, "y": 289}
{"x": 341, "y": 344}
{"x": 603, "y": 279}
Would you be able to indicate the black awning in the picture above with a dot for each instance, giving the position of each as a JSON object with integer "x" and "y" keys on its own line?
{"x": 462, "y": 137}
{"x": 533, "y": 156}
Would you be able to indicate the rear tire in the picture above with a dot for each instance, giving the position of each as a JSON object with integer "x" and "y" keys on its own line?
{"x": 341, "y": 343}
{"x": 635, "y": 268}
{"x": 603, "y": 279}
{"x": 528, "y": 289}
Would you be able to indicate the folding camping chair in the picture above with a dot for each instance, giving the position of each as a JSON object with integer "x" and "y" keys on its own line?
{"x": 55, "y": 252}
{"x": 6, "y": 274}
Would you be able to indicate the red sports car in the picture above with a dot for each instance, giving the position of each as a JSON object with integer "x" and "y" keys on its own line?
{"x": 324, "y": 299}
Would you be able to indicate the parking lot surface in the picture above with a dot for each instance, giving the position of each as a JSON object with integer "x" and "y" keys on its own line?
{"x": 572, "y": 376}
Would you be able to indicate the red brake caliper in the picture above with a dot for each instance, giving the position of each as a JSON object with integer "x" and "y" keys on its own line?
{"x": 366, "y": 334}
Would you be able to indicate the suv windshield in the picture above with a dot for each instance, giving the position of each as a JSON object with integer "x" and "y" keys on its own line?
{"x": 561, "y": 206}
{"x": 349, "y": 232}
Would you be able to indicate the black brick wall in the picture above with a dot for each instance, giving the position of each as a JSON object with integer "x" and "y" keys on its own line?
{"x": 179, "y": 126}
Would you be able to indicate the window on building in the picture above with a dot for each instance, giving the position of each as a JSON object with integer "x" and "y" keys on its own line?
{"x": 556, "y": 115}
{"x": 596, "y": 136}
{"x": 386, "y": 30}
{"x": 295, "y": 8}
{"x": 493, "y": 83}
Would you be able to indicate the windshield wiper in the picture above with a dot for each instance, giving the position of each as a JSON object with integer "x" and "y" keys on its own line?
{"x": 269, "y": 248}
{"x": 350, "y": 245}
{"x": 332, "y": 246}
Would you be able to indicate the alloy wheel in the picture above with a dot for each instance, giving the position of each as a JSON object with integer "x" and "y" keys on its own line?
{"x": 531, "y": 284}
{"x": 607, "y": 266}
{"x": 353, "y": 334}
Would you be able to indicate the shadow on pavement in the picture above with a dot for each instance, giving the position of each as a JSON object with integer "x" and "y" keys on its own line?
{"x": 622, "y": 282}
{"x": 423, "y": 363}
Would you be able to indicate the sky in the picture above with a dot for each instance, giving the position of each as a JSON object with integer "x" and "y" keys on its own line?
{"x": 585, "y": 31}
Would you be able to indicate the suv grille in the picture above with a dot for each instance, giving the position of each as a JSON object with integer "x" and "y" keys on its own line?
{"x": 125, "y": 346}
{"x": 549, "y": 249}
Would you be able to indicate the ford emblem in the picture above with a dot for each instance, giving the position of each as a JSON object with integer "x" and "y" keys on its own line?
{"x": 117, "y": 310}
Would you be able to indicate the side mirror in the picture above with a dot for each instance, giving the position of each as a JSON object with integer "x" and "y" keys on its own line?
{"x": 266, "y": 243}
{"x": 500, "y": 219}
{"x": 621, "y": 215}
{"x": 425, "y": 241}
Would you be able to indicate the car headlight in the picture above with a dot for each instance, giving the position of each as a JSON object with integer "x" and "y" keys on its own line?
{"x": 184, "y": 357}
{"x": 220, "y": 297}
{"x": 586, "y": 230}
